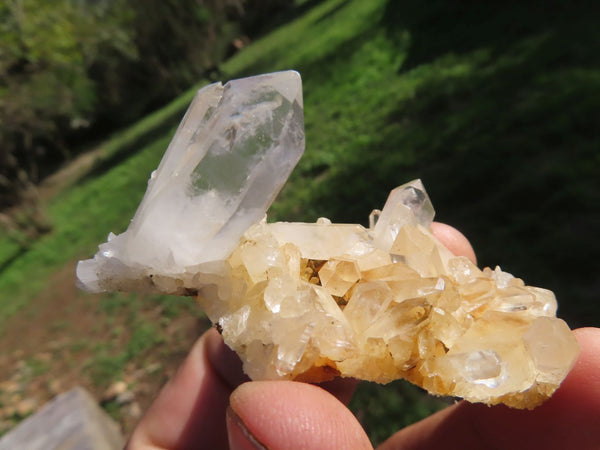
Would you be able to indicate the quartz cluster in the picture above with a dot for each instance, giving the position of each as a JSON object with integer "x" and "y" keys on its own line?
{"x": 314, "y": 301}
{"x": 232, "y": 153}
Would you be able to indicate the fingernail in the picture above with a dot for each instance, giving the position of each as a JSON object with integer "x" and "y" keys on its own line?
{"x": 240, "y": 438}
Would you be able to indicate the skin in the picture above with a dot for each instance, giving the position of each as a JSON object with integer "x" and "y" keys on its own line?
{"x": 209, "y": 403}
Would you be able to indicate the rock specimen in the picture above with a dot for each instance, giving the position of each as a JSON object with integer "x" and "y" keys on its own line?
{"x": 71, "y": 421}
{"x": 232, "y": 153}
{"x": 314, "y": 301}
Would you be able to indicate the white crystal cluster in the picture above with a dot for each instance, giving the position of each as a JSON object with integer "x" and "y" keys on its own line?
{"x": 232, "y": 153}
{"x": 314, "y": 301}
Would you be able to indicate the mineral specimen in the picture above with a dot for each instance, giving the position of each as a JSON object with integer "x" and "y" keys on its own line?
{"x": 230, "y": 156}
{"x": 314, "y": 301}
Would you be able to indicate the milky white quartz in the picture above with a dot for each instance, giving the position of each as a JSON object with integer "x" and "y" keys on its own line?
{"x": 311, "y": 301}
{"x": 232, "y": 153}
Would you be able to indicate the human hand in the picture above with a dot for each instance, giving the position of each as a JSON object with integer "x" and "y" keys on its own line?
{"x": 209, "y": 404}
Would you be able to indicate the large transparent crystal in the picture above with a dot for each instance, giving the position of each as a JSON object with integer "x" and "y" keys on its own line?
{"x": 314, "y": 301}
{"x": 230, "y": 156}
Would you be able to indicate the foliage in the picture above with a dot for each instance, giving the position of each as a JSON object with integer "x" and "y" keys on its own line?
{"x": 71, "y": 66}
{"x": 46, "y": 50}
{"x": 382, "y": 410}
{"x": 176, "y": 42}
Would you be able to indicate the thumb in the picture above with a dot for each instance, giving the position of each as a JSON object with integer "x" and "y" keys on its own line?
{"x": 288, "y": 414}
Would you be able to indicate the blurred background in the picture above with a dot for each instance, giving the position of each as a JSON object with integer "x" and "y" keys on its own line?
{"x": 494, "y": 105}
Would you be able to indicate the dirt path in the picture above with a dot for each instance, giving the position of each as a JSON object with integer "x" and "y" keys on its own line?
{"x": 71, "y": 172}
{"x": 63, "y": 338}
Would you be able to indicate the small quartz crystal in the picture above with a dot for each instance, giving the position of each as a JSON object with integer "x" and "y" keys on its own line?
{"x": 312, "y": 301}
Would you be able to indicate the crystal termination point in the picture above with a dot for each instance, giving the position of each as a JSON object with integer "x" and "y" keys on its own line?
{"x": 232, "y": 153}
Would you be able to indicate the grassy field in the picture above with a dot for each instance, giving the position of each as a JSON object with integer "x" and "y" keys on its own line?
{"x": 494, "y": 107}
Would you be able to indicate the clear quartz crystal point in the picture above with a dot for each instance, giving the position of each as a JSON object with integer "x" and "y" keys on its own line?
{"x": 232, "y": 153}
{"x": 311, "y": 301}
{"x": 408, "y": 197}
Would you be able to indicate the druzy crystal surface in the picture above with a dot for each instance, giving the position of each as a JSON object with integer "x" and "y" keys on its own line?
{"x": 311, "y": 301}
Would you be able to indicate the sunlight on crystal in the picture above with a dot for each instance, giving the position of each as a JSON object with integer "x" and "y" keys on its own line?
{"x": 312, "y": 301}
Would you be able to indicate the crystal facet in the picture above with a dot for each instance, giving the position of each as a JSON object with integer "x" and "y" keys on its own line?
{"x": 313, "y": 301}
{"x": 230, "y": 156}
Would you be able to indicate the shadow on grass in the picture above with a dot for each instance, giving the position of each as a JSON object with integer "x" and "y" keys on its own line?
{"x": 134, "y": 144}
{"x": 333, "y": 11}
{"x": 384, "y": 409}
{"x": 503, "y": 129}
{"x": 271, "y": 60}
{"x": 7, "y": 261}
{"x": 460, "y": 27}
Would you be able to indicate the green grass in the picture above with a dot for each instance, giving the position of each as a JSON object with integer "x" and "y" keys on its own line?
{"x": 384, "y": 410}
{"x": 107, "y": 364}
{"x": 36, "y": 366}
{"x": 501, "y": 126}
{"x": 130, "y": 332}
{"x": 495, "y": 107}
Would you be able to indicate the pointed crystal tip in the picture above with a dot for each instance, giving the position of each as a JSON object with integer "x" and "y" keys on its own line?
{"x": 230, "y": 156}
{"x": 404, "y": 205}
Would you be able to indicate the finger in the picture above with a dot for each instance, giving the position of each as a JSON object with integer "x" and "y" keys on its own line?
{"x": 454, "y": 240}
{"x": 567, "y": 420}
{"x": 191, "y": 406}
{"x": 288, "y": 414}
{"x": 228, "y": 364}
{"x": 225, "y": 361}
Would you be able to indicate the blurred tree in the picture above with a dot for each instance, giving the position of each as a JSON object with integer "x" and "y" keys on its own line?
{"x": 180, "y": 41}
{"x": 46, "y": 50}
{"x": 259, "y": 15}
{"x": 177, "y": 41}
{"x": 72, "y": 64}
